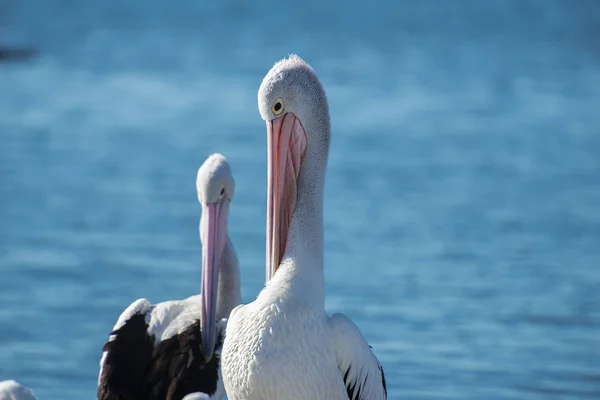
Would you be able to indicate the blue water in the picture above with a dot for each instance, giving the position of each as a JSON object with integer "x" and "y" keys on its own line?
{"x": 462, "y": 205}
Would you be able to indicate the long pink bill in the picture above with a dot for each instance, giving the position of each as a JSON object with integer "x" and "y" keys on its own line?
{"x": 214, "y": 236}
{"x": 286, "y": 141}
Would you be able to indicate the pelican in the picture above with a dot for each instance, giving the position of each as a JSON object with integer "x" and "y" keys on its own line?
{"x": 283, "y": 345}
{"x": 172, "y": 349}
{"x": 13, "y": 390}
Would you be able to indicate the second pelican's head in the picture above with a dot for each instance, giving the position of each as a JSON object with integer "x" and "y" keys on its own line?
{"x": 215, "y": 187}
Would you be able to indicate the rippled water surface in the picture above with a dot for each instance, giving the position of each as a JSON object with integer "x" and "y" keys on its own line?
{"x": 462, "y": 205}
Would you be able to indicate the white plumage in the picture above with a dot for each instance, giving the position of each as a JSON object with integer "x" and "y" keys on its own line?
{"x": 283, "y": 345}
{"x": 13, "y": 390}
{"x": 197, "y": 396}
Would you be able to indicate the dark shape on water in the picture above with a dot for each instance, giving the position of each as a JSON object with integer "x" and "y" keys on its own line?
{"x": 8, "y": 54}
{"x": 138, "y": 368}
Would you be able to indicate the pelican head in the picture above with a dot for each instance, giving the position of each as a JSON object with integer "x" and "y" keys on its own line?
{"x": 215, "y": 186}
{"x": 293, "y": 103}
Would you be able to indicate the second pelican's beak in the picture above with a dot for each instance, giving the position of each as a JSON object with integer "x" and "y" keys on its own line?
{"x": 213, "y": 227}
{"x": 286, "y": 140}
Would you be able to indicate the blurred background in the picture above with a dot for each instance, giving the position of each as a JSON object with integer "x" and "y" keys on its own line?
{"x": 462, "y": 204}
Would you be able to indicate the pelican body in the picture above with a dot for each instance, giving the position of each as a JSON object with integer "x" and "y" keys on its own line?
{"x": 283, "y": 345}
{"x": 13, "y": 390}
{"x": 172, "y": 349}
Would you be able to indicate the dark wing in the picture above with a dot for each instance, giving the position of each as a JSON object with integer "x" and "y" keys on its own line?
{"x": 178, "y": 367}
{"x": 134, "y": 366}
{"x": 359, "y": 368}
{"x": 127, "y": 355}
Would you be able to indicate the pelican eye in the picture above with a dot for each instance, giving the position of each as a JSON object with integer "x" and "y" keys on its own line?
{"x": 222, "y": 191}
{"x": 277, "y": 106}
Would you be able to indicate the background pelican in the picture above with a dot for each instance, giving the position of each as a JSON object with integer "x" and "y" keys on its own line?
{"x": 165, "y": 351}
{"x": 283, "y": 345}
{"x": 13, "y": 390}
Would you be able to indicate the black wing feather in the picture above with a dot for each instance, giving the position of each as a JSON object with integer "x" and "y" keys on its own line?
{"x": 129, "y": 354}
{"x": 178, "y": 367}
{"x": 137, "y": 368}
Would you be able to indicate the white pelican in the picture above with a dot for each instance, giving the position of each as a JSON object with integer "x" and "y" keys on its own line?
{"x": 283, "y": 346}
{"x": 171, "y": 349}
{"x": 13, "y": 390}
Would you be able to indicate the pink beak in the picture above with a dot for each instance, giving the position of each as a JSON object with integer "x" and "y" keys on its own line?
{"x": 214, "y": 237}
{"x": 286, "y": 141}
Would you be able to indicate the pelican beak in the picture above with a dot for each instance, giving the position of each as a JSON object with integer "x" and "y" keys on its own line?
{"x": 213, "y": 228}
{"x": 286, "y": 141}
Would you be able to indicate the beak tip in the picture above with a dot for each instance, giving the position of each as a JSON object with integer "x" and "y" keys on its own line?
{"x": 208, "y": 344}
{"x": 207, "y": 356}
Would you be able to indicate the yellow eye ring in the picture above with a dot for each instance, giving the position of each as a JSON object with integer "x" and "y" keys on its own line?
{"x": 277, "y": 106}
